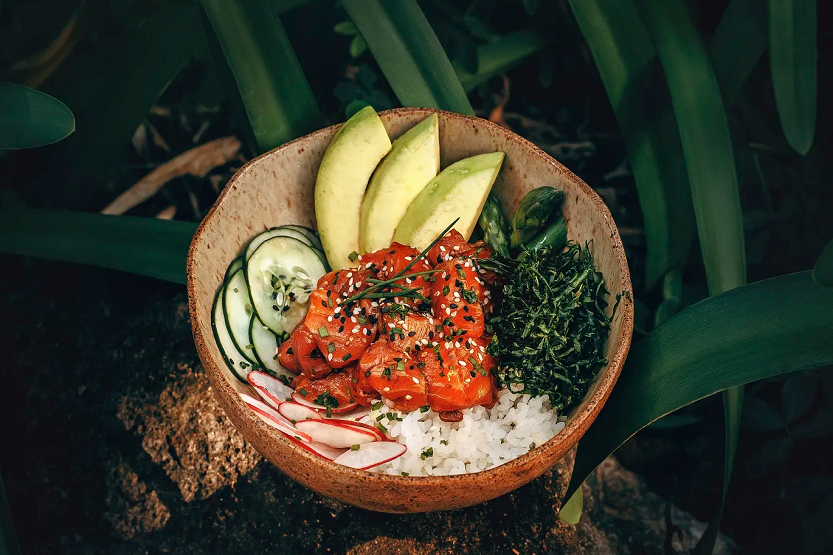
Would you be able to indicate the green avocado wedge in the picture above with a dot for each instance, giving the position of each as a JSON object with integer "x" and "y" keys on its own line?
{"x": 413, "y": 161}
{"x": 459, "y": 191}
{"x": 348, "y": 163}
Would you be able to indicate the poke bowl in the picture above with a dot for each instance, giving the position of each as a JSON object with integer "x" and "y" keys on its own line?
{"x": 272, "y": 203}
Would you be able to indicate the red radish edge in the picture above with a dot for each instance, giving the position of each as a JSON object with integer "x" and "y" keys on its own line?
{"x": 337, "y": 435}
{"x": 298, "y": 398}
{"x": 274, "y": 418}
{"x": 376, "y": 446}
{"x": 323, "y": 451}
{"x": 261, "y": 382}
{"x": 295, "y": 412}
{"x": 361, "y": 426}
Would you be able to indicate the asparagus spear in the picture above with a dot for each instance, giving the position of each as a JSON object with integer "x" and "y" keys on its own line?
{"x": 534, "y": 211}
{"x": 494, "y": 226}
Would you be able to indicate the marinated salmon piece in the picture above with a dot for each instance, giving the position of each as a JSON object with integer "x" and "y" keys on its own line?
{"x": 336, "y": 390}
{"x": 286, "y": 356}
{"x": 309, "y": 358}
{"x": 451, "y": 245}
{"x": 445, "y": 385}
{"x": 387, "y": 263}
{"x": 456, "y": 298}
{"x": 345, "y": 283}
{"x": 394, "y": 375}
{"x": 342, "y": 333}
{"x": 458, "y": 377}
{"x": 409, "y": 332}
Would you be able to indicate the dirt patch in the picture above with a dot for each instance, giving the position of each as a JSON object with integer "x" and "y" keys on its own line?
{"x": 132, "y": 507}
{"x": 185, "y": 430}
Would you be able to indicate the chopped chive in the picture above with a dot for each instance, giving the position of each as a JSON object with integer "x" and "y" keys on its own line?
{"x": 346, "y": 357}
{"x": 303, "y": 392}
{"x": 331, "y": 347}
{"x": 376, "y": 405}
{"x": 355, "y": 447}
{"x": 322, "y": 332}
{"x": 426, "y": 408}
{"x": 400, "y": 365}
{"x": 353, "y": 256}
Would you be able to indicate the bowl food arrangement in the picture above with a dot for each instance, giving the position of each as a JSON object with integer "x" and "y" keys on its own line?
{"x": 413, "y": 311}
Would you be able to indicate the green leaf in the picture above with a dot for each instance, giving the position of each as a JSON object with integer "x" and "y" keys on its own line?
{"x": 144, "y": 246}
{"x": 710, "y": 164}
{"x": 110, "y": 96}
{"x": 346, "y": 28}
{"x": 625, "y": 58}
{"x": 823, "y": 268}
{"x": 501, "y": 55}
{"x": 357, "y": 46}
{"x": 753, "y": 332}
{"x": 737, "y": 45}
{"x": 571, "y": 511}
{"x": 676, "y": 420}
{"x": 792, "y": 61}
{"x": 266, "y": 80}
{"x": 30, "y": 118}
{"x": 770, "y": 456}
{"x": 409, "y": 53}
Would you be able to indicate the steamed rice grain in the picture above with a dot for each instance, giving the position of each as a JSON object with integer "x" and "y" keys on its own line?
{"x": 485, "y": 438}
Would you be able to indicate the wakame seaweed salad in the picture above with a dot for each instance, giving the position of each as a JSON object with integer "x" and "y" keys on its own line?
{"x": 551, "y": 329}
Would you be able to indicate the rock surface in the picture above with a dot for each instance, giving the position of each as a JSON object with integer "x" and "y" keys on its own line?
{"x": 124, "y": 450}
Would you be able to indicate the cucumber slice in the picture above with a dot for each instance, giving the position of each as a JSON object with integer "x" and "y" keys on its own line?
{"x": 235, "y": 265}
{"x": 233, "y": 357}
{"x": 281, "y": 274}
{"x": 275, "y": 232}
{"x": 308, "y": 233}
{"x": 266, "y": 347}
{"x": 237, "y": 309}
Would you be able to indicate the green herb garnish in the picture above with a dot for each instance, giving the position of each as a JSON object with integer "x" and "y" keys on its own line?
{"x": 353, "y": 256}
{"x": 427, "y": 453}
{"x": 552, "y": 327}
{"x": 355, "y": 447}
{"x": 322, "y": 332}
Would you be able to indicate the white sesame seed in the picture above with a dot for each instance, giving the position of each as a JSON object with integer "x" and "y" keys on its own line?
{"x": 358, "y": 284}
{"x": 330, "y": 356}
{"x": 350, "y": 274}
{"x": 356, "y": 329}
{"x": 374, "y": 304}
{"x": 409, "y": 258}
{"x": 329, "y": 318}
{"x": 353, "y": 319}
{"x": 337, "y": 310}
{"x": 467, "y": 381}
{"x": 448, "y": 311}
{"x": 425, "y": 342}
{"x": 408, "y": 397}
{"x": 386, "y": 389}
{"x": 415, "y": 380}
{"x": 442, "y": 248}
{"x": 456, "y": 247}
{"x": 461, "y": 363}
{"x": 391, "y": 325}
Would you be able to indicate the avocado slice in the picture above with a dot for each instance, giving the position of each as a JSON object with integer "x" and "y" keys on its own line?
{"x": 349, "y": 161}
{"x": 460, "y": 190}
{"x": 412, "y": 162}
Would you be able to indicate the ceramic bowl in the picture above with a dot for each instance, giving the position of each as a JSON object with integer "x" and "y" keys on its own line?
{"x": 277, "y": 188}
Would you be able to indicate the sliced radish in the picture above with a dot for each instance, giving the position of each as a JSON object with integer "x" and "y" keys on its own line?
{"x": 353, "y": 416}
{"x": 269, "y": 387}
{"x": 380, "y": 436}
{"x": 329, "y": 453}
{"x": 330, "y": 432}
{"x": 298, "y": 398}
{"x": 295, "y": 412}
{"x": 372, "y": 454}
{"x": 273, "y": 418}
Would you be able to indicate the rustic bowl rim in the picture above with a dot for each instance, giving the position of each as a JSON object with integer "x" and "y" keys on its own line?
{"x": 575, "y": 427}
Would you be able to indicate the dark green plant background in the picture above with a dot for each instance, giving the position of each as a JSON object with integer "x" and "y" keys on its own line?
{"x": 703, "y": 125}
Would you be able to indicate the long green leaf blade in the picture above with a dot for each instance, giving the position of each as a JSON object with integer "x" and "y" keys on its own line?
{"x": 144, "y": 246}
{"x": 823, "y": 268}
{"x": 737, "y": 45}
{"x": 625, "y": 57}
{"x": 30, "y": 118}
{"x": 409, "y": 54}
{"x": 710, "y": 163}
{"x": 110, "y": 97}
{"x": 497, "y": 57}
{"x": 267, "y": 78}
{"x": 792, "y": 61}
{"x": 756, "y": 331}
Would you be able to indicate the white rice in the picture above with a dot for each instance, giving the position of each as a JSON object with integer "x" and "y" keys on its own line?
{"x": 485, "y": 438}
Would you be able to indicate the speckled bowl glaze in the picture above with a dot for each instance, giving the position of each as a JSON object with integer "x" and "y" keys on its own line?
{"x": 277, "y": 188}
